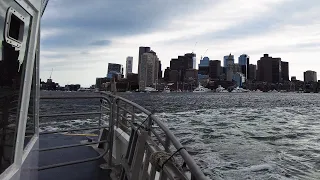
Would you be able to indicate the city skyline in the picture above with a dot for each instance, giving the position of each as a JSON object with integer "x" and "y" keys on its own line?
{"x": 277, "y": 28}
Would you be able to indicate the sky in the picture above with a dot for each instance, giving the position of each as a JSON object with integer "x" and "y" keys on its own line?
{"x": 78, "y": 40}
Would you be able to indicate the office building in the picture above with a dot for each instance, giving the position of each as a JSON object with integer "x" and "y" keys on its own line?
{"x": 226, "y": 58}
{"x": 160, "y": 70}
{"x": 252, "y": 72}
{"x": 243, "y": 59}
{"x": 269, "y": 69}
{"x": 229, "y": 63}
{"x": 174, "y": 76}
{"x": 190, "y": 58}
{"x": 142, "y": 50}
{"x": 215, "y": 69}
{"x": 243, "y": 62}
{"x": 293, "y": 78}
{"x": 239, "y": 78}
{"x": 203, "y": 67}
{"x": 202, "y": 77}
{"x": 237, "y": 68}
{"x": 285, "y": 71}
{"x": 100, "y": 82}
{"x": 166, "y": 75}
{"x": 176, "y": 64}
{"x": 181, "y": 64}
{"x": 148, "y": 75}
{"x": 114, "y": 69}
{"x": 133, "y": 78}
{"x": 193, "y": 60}
{"x": 310, "y": 76}
{"x": 191, "y": 75}
{"x": 204, "y": 62}
{"x": 129, "y": 64}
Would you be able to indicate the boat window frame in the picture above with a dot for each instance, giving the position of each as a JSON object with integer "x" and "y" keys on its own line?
{"x": 10, "y": 40}
{"x": 20, "y": 150}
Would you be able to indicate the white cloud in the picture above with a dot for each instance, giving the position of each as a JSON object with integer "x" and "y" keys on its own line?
{"x": 211, "y": 18}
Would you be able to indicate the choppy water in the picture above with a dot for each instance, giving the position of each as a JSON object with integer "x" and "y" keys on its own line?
{"x": 232, "y": 136}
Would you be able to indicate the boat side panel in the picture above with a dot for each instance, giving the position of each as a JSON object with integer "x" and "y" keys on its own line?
{"x": 28, "y": 170}
{"x": 25, "y": 160}
{"x": 30, "y": 160}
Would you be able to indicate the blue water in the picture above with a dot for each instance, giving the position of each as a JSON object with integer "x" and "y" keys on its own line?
{"x": 230, "y": 135}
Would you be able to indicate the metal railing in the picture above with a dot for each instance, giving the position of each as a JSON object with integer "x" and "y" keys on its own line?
{"x": 99, "y": 127}
{"x": 151, "y": 152}
{"x": 149, "y": 136}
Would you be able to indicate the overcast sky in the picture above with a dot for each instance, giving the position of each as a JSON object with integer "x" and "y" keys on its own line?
{"x": 80, "y": 37}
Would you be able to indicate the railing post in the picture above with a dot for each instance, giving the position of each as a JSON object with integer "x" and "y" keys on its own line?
{"x": 111, "y": 131}
{"x": 124, "y": 121}
{"x": 132, "y": 115}
{"x": 118, "y": 113}
{"x": 99, "y": 123}
{"x": 150, "y": 121}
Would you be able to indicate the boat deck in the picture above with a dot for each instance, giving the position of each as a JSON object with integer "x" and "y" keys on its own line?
{"x": 84, "y": 171}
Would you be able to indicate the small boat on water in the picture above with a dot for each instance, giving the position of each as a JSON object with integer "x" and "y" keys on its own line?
{"x": 257, "y": 91}
{"x": 201, "y": 89}
{"x": 166, "y": 90}
{"x": 150, "y": 89}
{"x": 239, "y": 90}
{"x": 274, "y": 91}
{"x": 221, "y": 89}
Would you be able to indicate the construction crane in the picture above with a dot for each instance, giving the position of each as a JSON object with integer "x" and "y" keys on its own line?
{"x": 204, "y": 53}
{"x": 51, "y": 73}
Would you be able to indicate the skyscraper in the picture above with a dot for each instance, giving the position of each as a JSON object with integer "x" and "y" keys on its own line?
{"x": 203, "y": 67}
{"x": 225, "y": 59}
{"x": 182, "y": 64}
{"x": 269, "y": 69}
{"x": 285, "y": 71}
{"x": 167, "y": 74}
{"x": 229, "y": 62}
{"x": 129, "y": 64}
{"x": 252, "y": 72}
{"x": 214, "y": 69}
{"x": 159, "y": 71}
{"x": 192, "y": 56}
{"x": 142, "y": 50}
{"x": 194, "y": 62}
{"x": 149, "y": 70}
{"x": 239, "y": 78}
{"x": 243, "y": 61}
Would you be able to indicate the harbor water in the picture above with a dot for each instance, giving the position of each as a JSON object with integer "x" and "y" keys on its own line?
{"x": 230, "y": 135}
